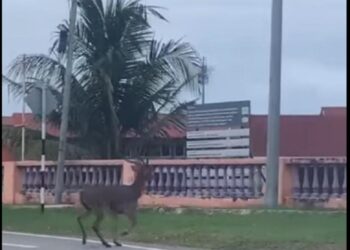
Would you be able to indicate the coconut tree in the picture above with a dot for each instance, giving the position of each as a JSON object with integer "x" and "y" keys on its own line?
{"x": 122, "y": 76}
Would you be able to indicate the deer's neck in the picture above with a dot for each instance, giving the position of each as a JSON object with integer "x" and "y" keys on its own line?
{"x": 138, "y": 186}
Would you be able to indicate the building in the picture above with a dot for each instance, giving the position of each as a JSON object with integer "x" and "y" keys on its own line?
{"x": 322, "y": 134}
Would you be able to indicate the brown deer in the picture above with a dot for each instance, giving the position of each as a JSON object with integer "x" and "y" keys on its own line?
{"x": 117, "y": 200}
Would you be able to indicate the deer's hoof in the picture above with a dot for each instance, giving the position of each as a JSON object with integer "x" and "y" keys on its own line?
{"x": 106, "y": 244}
{"x": 117, "y": 243}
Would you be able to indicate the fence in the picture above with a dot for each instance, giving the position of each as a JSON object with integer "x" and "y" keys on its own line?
{"x": 201, "y": 183}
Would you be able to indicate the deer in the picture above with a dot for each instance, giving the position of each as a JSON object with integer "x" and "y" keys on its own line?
{"x": 117, "y": 200}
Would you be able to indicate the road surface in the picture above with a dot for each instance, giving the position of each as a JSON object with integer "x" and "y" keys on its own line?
{"x": 23, "y": 241}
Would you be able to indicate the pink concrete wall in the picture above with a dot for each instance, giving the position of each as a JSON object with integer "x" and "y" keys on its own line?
{"x": 13, "y": 172}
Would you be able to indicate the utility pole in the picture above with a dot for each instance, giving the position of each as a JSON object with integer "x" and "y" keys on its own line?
{"x": 65, "y": 108}
{"x": 273, "y": 125}
{"x": 23, "y": 144}
{"x": 23, "y": 119}
{"x": 203, "y": 77}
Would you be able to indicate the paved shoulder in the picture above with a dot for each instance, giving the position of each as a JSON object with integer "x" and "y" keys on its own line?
{"x": 21, "y": 241}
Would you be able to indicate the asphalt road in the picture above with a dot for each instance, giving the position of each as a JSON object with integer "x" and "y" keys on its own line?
{"x": 22, "y": 241}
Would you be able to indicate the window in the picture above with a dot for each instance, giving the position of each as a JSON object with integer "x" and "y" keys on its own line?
{"x": 165, "y": 150}
{"x": 179, "y": 150}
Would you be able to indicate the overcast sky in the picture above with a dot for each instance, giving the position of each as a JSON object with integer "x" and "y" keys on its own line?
{"x": 234, "y": 36}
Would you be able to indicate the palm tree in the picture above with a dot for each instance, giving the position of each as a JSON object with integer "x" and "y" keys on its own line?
{"x": 122, "y": 76}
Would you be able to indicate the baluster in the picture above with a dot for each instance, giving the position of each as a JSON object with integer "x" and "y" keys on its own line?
{"x": 156, "y": 176}
{"x": 37, "y": 178}
{"x": 220, "y": 181}
{"x": 177, "y": 184}
{"x": 260, "y": 181}
{"x": 199, "y": 182}
{"x": 32, "y": 179}
{"x": 335, "y": 186}
{"x": 25, "y": 184}
{"x": 101, "y": 181}
{"x": 29, "y": 178}
{"x": 115, "y": 180}
{"x": 172, "y": 181}
{"x": 53, "y": 174}
{"x": 167, "y": 181}
{"x": 240, "y": 193}
{"x": 47, "y": 178}
{"x": 325, "y": 183}
{"x": 195, "y": 178}
{"x": 74, "y": 177}
{"x": 315, "y": 184}
{"x": 152, "y": 182}
{"x": 67, "y": 182}
{"x": 86, "y": 173}
{"x": 344, "y": 184}
{"x": 207, "y": 181}
{"x": 108, "y": 175}
{"x": 182, "y": 180}
{"x": 190, "y": 191}
{"x": 256, "y": 179}
{"x": 161, "y": 181}
{"x": 225, "y": 189}
{"x": 250, "y": 188}
{"x": 233, "y": 183}
{"x": 80, "y": 177}
{"x": 94, "y": 176}
{"x": 296, "y": 181}
{"x": 306, "y": 186}
{"x": 216, "y": 182}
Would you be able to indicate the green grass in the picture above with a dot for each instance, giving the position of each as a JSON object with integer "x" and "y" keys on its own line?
{"x": 267, "y": 231}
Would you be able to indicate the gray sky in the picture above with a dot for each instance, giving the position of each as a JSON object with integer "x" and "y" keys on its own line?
{"x": 234, "y": 35}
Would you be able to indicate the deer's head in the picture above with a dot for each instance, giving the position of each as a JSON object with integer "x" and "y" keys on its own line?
{"x": 142, "y": 169}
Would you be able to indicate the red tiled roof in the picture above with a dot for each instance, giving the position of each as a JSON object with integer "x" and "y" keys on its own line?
{"x": 301, "y": 135}
{"x": 30, "y": 123}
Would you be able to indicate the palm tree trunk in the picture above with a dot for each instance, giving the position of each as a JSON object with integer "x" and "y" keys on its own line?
{"x": 114, "y": 124}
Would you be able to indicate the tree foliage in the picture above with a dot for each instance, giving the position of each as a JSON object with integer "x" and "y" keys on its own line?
{"x": 123, "y": 78}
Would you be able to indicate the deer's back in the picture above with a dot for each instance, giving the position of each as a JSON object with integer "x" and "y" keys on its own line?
{"x": 114, "y": 198}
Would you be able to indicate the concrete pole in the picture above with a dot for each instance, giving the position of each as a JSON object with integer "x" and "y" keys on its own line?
{"x": 273, "y": 126}
{"x": 203, "y": 79}
{"x": 23, "y": 121}
{"x": 65, "y": 108}
{"x": 23, "y": 115}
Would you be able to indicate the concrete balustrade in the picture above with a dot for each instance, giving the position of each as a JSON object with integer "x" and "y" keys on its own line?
{"x": 222, "y": 183}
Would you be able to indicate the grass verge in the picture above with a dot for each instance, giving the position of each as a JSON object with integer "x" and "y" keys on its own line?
{"x": 263, "y": 230}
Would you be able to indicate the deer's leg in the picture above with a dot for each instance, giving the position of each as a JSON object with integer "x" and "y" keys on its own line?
{"x": 96, "y": 228}
{"x": 115, "y": 229}
{"x": 79, "y": 219}
{"x": 132, "y": 219}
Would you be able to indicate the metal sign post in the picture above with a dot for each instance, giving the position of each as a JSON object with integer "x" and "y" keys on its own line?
{"x": 43, "y": 142}
{"x": 37, "y": 101}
